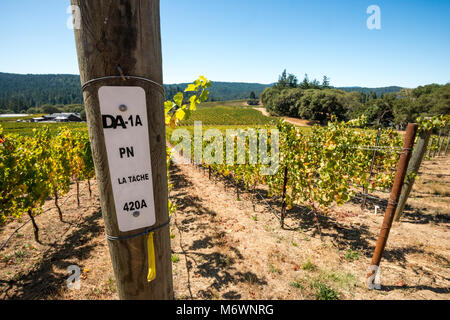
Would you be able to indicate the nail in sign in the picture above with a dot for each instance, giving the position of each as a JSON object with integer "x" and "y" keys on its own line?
{"x": 125, "y": 127}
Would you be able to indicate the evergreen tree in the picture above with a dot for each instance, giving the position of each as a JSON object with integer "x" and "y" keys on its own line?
{"x": 286, "y": 81}
{"x": 305, "y": 82}
{"x": 326, "y": 82}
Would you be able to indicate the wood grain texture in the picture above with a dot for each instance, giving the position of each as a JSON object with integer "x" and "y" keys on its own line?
{"x": 126, "y": 33}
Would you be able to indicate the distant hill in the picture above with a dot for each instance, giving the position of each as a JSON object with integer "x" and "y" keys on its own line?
{"x": 378, "y": 91}
{"x": 21, "y": 92}
{"x": 223, "y": 91}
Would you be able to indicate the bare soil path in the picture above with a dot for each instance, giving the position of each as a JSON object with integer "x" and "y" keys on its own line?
{"x": 294, "y": 121}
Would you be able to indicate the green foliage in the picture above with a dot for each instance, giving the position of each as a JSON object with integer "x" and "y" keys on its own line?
{"x": 49, "y": 109}
{"x": 38, "y": 166}
{"x": 312, "y": 104}
{"x": 351, "y": 255}
{"x": 27, "y": 93}
{"x": 221, "y": 91}
{"x": 321, "y": 104}
{"x": 274, "y": 269}
{"x": 324, "y": 164}
{"x": 26, "y": 173}
{"x": 431, "y": 123}
{"x": 180, "y": 109}
{"x": 42, "y": 162}
{"x": 324, "y": 292}
{"x": 182, "y": 106}
{"x": 253, "y": 100}
{"x": 371, "y": 93}
{"x": 286, "y": 81}
{"x": 408, "y": 105}
{"x": 218, "y": 114}
{"x": 309, "y": 266}
{"x": 382, "y": 107}
{"x": 26, "y": 128}
{"x": 22, "y": 92}
{"x": 296, "y": 284}
{"x": 326, "y": 82}
{"x": 61, "y": 148}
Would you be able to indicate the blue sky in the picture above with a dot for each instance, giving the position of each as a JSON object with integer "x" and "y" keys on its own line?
{"x": 254, "y": 40}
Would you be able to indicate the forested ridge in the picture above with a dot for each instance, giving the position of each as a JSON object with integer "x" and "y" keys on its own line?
{"x": 19, "y": 93}
{"x": 314, "y": 100}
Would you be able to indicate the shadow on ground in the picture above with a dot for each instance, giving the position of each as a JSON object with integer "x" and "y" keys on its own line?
{"x": 219, "y": 265}
{"x": 42, "y": 282}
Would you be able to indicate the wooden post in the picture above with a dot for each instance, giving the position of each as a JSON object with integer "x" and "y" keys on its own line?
{"x": 283, "y": 196}
{"x": 413, "y": 168}
{"x": 435, "y": 152}
{"x": 122, "y": 38}
{"x": 430, "y": 147}
{"x": 411, "y": 131}
{"x": 440, "y": 145}
{"x": 446, "y": 147}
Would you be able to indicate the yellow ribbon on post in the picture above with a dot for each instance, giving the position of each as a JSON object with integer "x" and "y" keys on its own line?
{"x": 151, "y": 258}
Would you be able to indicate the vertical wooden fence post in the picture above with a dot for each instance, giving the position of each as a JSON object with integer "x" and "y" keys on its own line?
{"x": 411, "y": 131}
{"x": 430, "y": 148}
{"x": 435, "y": 152}
{"x": 413, "y": 168}
{"x": 441, "y": 145}
{"x": 119, "y": 45}
{"x": 446, "y": 147}
{"x": 283, "y": 196}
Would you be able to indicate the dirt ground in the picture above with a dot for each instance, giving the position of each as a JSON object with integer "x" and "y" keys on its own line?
{"x": 229, "y": 248}
{"x": 294, "y": 121}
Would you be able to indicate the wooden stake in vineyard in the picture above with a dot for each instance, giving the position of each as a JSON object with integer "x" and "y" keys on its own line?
{"x": 283, "y": 197}
{"x": 119, "y": 54}
{"x": 413, "y": 168}
{"x": 405, "y": 156}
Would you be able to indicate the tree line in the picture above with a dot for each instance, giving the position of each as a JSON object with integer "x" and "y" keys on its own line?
{"x": 313, "y": 100}
{"x": 30, "y": 93}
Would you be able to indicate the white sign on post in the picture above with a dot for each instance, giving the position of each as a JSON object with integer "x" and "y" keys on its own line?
{"x": 125, "y": 127}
